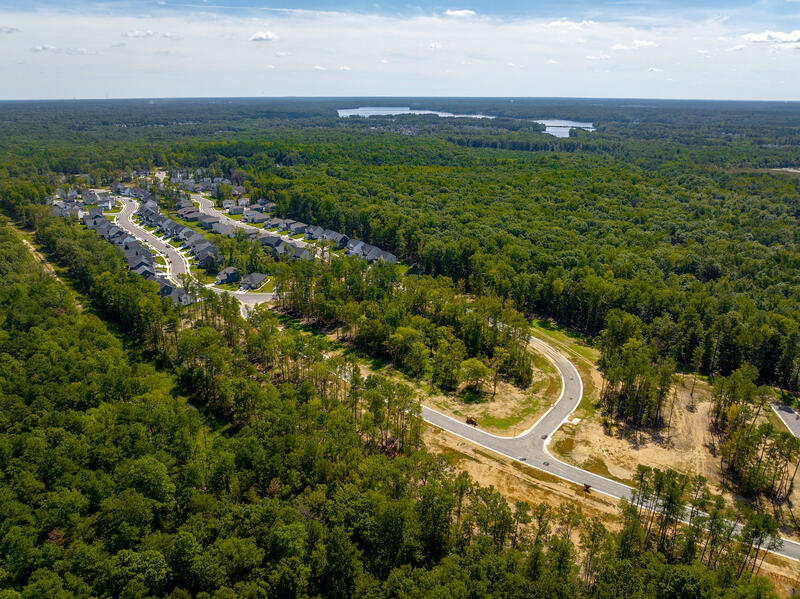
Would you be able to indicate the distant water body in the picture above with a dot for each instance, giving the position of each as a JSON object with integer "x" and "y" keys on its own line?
{"x": 555, "y": 127}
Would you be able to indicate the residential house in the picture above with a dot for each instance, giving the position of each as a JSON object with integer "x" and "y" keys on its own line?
{"x": 208, "y": 256}
{"x": 229, "y": 274}
{"x": 226, "y": 204}
{"x": 354, "y": 247}
{"x": 145, "y": 271}
{"x": 270, "y": 241}
{"x": 287, "y": 225}
{"x": 256, "y": 217}
{"x": 253, "y": 281}
{"x": 297, "y": 227}
{"x": 314, "y": 232}
{"x": 189, "y": 214}
{"x": 298, "y": 252}
{"x": 338, "y": 240}
{"x": 207, "y": 221}
{"x": 237, "y": 191}
{"x": 236, "y": 210}
{"x": 180, "y": 297}
{"x": 165, "y": 287}
{"x": 223, "y": 229}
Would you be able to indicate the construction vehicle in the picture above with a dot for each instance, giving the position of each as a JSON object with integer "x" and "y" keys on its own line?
{"x": 471, "y": 421}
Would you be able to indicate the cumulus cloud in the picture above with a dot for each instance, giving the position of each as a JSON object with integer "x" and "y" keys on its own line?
{"x": 9, "y": 30}
{"x": 736, "y": 48}
{"x": 282, "y": 53}
{"x": 462, "y": 12}
{"x": 655, "y": 70}
{"x": 319, "y": 68}
{"x": 139, "y": 33}
{"x": 434, "y": 45}
{"x": 47, "y": 48}
{"x": 634, "y": 45}
{"x": 773, "y": 37}
{"x": 171, "y": 36}
{"x": 598, "y": 57}
{"x": 568, "y": 25}
{"x": 345, "y": 68}
{"x": 263, "y": 36}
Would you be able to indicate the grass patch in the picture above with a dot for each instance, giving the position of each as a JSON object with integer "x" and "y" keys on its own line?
{"x": 509, "y": 421}
{"x": 228, "y": 286}
{"x": 267, "y": 287}
{"x": 160, "y": 260}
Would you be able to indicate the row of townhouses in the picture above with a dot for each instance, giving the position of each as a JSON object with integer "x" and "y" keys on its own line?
{"x": 139, "y": 259}
{"x": 203, "y": 250}
{"x": 256, "y": 215}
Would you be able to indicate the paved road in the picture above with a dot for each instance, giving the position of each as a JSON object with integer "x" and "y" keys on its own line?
{"x": 529, "y": 447}
{"x": 790, "y": 418}
{"x": 179, "y": 264}
{"x": 176, "y": 262}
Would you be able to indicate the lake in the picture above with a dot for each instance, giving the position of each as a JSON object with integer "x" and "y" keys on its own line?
{"x": 555, "y": 127}
{"x": 561, "y": 128}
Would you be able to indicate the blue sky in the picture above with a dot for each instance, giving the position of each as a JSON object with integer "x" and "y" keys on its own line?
{"x": 731, "y": 49}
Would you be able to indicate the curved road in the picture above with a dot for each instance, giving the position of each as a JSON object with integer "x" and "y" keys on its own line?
{"x": 529, "y": 447}
{"x": 177, "y": 264}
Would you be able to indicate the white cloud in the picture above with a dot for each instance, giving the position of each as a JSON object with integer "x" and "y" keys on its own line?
{"x": 263, "y": 36}
{"x": 568, "y": 25}
{"x": 773, "y": 37}
{"x": 736, "y": 48}
{"x": 463, "y": 12}
{"x": 597, "y": 57}
{"x": 139, "y": 33}
{"x": 171, "y": 36}
{"x": 319, "y": 68}
{"x": 655, "y": 70}
{"x": 9, "y": 30}
{"x": 345, "y": 68}
{"x": 384, "y": 61}
{"x": 704, "y": 53}
{"x": 47, "y": 48}
{"x": 434, "y": 45}
{"x": 282, "y": 53}
{"x": 634, "y": 45}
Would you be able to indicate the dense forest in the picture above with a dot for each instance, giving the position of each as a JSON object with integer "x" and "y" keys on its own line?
{"x": 243, "y": 467}
{"x": 148, "y": 450}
